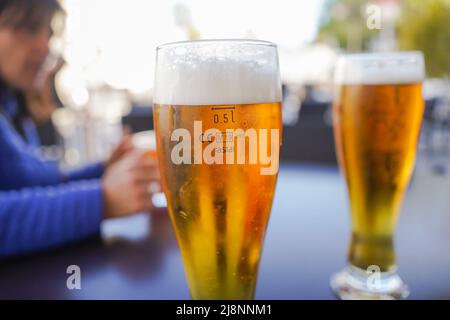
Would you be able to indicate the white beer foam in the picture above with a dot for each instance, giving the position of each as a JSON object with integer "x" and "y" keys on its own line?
{"x": 216, "y": 73}
{"x": 380, "y": 68}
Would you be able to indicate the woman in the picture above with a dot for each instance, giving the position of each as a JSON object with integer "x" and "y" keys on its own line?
{"x": 40, "y": 206}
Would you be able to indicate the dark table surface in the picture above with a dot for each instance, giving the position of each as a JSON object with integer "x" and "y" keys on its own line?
{"x": 138, "y": 258}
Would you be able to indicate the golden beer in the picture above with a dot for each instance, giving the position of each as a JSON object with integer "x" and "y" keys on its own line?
{"x": 219, "y": 100}
{"x": 376, "y": 131}
{"x": 377, "y": 113}
{"x": 220, "y": 212}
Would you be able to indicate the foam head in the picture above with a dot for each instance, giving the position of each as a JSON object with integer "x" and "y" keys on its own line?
{"x": 216, "y": 72}
{"x": 380, "y": 68}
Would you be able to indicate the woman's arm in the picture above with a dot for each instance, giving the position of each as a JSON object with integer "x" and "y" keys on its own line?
{"x": 39, "y": 218}
{"x": 92, "y": 171}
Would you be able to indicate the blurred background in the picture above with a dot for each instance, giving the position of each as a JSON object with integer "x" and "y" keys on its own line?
{"x": 104, "y": 57}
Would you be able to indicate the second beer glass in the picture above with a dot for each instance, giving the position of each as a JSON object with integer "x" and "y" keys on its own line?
{"x": 377, "y": 113}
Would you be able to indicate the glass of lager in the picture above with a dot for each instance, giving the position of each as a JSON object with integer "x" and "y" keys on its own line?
{"x": 377, "y": 115}
{"x": 217, "y": 114}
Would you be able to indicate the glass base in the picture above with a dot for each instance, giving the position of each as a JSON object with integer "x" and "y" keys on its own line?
{"x": 354, "y": 283}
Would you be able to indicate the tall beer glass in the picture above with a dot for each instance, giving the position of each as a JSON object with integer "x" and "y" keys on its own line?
{"x": 377, "y": 114}
{"x": 217, "y": 112}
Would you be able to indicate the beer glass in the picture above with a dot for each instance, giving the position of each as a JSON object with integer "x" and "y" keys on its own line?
{"x": 217, "y": 116}
{"x": 377, "y": 114}
{"x": 145, "y": 141}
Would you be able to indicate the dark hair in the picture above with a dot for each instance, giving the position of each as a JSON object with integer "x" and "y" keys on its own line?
{"x": 27, "y": 14}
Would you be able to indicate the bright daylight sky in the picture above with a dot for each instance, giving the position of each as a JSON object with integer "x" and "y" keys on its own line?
{"x": 114, "y": 40}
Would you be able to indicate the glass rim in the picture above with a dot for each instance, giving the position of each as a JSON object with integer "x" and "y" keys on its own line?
{"x": 393, "y": 67}
{"x": 255, "y": 42}
{"x": 358, "y": 56}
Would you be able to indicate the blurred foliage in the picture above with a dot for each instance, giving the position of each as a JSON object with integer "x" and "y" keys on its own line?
{"x": 422, "y": 25}
{"x": 344, "y": 22}
{"x": 425, "y": 26}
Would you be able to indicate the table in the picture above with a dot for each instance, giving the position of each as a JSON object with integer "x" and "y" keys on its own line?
{"x": 306, "y": 241}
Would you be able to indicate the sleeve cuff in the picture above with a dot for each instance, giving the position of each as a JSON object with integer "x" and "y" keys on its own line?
{"x": 93, "y": 171}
